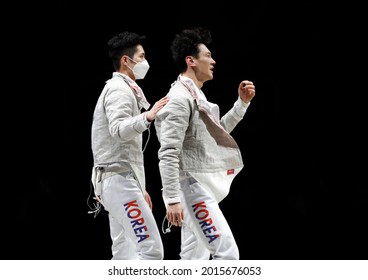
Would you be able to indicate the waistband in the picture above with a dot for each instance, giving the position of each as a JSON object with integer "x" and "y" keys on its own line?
{"x": 102, "y": 174}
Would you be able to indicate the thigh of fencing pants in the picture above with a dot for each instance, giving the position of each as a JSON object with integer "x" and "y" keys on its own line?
{"x": 123, "y": 247}
{"x": 191, "y": 248}
{"x": 124, "y": 201}
{"x": 206, "y": 220}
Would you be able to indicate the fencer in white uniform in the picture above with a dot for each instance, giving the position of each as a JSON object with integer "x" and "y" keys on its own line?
{"x": 118, "y": 174}
{"x": 198, "y": 158}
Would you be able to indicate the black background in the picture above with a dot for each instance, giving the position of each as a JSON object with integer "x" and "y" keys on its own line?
{"x": 302, "y": 193}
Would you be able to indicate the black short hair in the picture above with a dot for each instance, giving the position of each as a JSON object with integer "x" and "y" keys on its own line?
{"x": 124, "y": 43}
{"x": 186, "y": 43}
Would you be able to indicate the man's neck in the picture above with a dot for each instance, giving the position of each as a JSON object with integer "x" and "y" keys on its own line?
{"x": 193, "y": 77}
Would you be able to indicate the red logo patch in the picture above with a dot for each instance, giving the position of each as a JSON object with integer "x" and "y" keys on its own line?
{"x": 230, "y": 171}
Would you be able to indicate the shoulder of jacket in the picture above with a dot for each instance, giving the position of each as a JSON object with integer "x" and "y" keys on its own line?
{"x": 116, "y": 82}
{"x": 179, "y": 91}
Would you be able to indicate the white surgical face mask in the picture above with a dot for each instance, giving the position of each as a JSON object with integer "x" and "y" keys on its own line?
{"x": 140, "y": 69}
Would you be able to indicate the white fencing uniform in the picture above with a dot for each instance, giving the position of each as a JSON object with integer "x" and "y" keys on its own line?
{"x": 198, "y": 162}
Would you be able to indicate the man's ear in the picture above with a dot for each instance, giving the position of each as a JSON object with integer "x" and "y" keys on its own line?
{"x": 124, "y": 60}
{"x": 189, "y": 60}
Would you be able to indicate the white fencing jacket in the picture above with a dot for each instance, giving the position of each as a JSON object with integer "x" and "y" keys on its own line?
{"x": 194, "y": 141}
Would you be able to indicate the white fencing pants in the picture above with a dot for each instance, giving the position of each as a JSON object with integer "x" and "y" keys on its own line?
{"x": 133, "y": 229}
{"x": 205, "y": 231}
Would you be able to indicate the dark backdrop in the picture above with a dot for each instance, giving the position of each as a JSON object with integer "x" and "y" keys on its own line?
{"x": 301, "y": 194}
